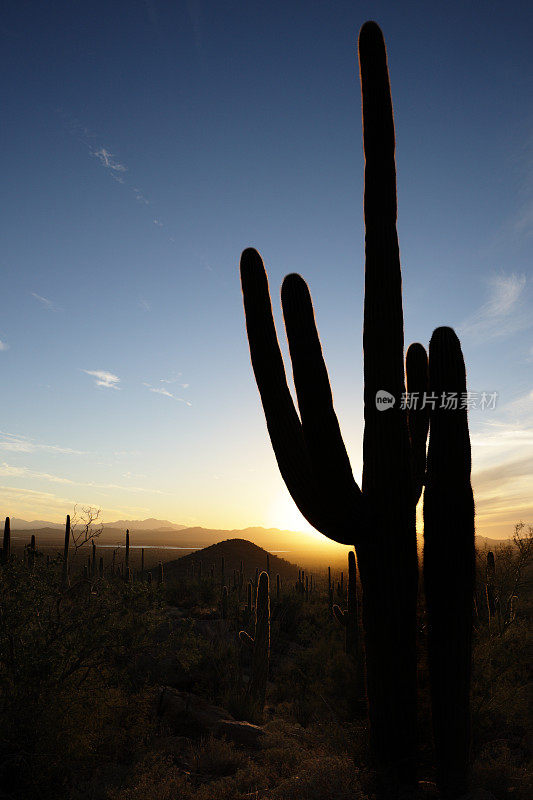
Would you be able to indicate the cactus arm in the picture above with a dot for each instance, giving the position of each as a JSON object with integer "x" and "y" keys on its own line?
{"x": 449, "y": 517}
{"x": 340, "y": 615}
{"x": 329, "y": 458}
{"x": 283, "y": 423}
{"x": 246, "y": 639}
{"x": 416, "y": 369}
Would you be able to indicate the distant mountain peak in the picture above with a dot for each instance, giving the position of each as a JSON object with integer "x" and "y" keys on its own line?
{"x": 150, "y": 524}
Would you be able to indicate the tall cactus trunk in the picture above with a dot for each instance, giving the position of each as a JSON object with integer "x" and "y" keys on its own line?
{"x": 449, "y": 519}
{"x": 387, "y": 559}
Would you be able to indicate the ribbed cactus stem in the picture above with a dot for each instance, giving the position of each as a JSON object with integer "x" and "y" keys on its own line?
{"x": 64, "y": 571}
{"x": 268, "y": 564}
{"x": 6, "y": 549}
{"x": 449, "y": 517}
{"x": 277, "y": 587}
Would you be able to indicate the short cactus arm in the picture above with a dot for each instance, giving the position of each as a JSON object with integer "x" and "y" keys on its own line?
{"x": 340, "y": 615}
{"x": 416, "y": 369}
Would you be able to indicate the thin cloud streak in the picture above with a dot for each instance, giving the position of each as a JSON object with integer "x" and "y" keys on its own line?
{"x": 504, "y": 313}
{"x": 12, "y": 471}
{"x": 166, "y": 393}
{"x": 45, "y": 302}
{"x": 14, "y": 443}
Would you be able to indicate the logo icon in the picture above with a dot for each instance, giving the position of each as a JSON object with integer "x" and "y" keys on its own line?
{"x": 384, "y": 400}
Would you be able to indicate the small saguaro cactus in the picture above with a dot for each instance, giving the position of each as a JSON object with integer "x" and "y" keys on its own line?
{"x": 101, "y": 567}
{"x": 260, "y": 644}
{"x": 64, "y": 571}
{"x": 142, "y": 563}
{"x": 277, "y": 587}
{"x": 127, "y": 555}
{"x": 222, "y": 571}
{"x": 349, "y": 618}
{"x": 160, "y": 576}
{"x": 6, "y": 549}
{"x": 268, "y": 564}
{"x": 224, "y": 603}
{"x": 93, "y": 560}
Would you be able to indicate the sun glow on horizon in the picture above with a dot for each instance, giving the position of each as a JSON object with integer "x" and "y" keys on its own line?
{"x": 284, "y": 514}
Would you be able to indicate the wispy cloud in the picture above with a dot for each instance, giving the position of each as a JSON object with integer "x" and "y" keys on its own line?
{"x": 14, "y": 443}
{"x": 102, "y": 378}
{"x": 503, "y": 465}
{"x": 144, "y": 304}
{"x": 158, "y": 223}
{"x": 45, "y": 302}
{"x": 30, "y": 503}
{"x": 3, "y": 345}
{"x": 12, "y": 471}
{"x": 166, "y": 393}
{"x": 504, "y": 313}
{"x": 108, "y": 160}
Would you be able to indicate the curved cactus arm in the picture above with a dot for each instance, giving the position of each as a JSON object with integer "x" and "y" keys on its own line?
{"x": 449, "y": 516}
{"x": 283, "y": 423}
{"x": 416, "y": 370}
{"x": 246, "y": 639}
{"x": 322, "y": 434}
{"x": 340, "y": 615}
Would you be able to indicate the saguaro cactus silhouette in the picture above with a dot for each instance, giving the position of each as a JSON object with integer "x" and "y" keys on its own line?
{"x": 449, "y": 515}
{"x": 260, "y": 644}
{"x": 6, "y": 548}
{"x": 379, "y": 518}
{"x": 349, "y": 617}
{"x": 64, "y": 570}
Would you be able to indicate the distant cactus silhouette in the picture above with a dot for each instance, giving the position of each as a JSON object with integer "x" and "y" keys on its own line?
{"x": 379, "y": 519}
{"x": 64, "y": 571}
{"x": 127, "y": 556}
{"x": 349, "y": 618}
{"x": 260, "y": 644}
{"x": 6, "y": 548}
{"x": 224, "y": 603}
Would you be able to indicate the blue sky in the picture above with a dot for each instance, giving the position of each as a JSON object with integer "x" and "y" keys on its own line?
{"x": 147, "y": 143}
